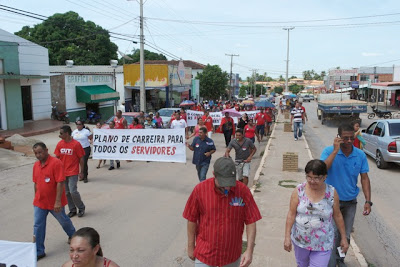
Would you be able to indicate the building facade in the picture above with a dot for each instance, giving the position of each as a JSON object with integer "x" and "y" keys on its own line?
{"x": 81, "y": 89}
{"x": 24, "y": 82}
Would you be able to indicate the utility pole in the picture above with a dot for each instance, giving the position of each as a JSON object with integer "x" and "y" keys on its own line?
{"x": 230, "y": 77}
{"x": 287, "y": 59}
{"x": 254, "y": 87}
{"x": 142, "y": 80}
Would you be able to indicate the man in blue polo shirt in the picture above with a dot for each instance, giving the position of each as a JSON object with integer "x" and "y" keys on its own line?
{"x": 202, "y": 147}
{"x": 345, "y": 163}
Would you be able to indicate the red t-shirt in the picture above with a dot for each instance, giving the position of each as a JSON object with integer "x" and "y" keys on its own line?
{"x": 70, "y": 154}
{"x": 260, "y": 118}
{"x": 208, "y": 122}
{"x": 46, "y": 178}
{"x": 137, "y": 126}
{"x": 249, "y": 132}
{"x": 220, "y": 221}
{"x": 119, "y": 123}
{"x": 304, "y": 111}
{"x": 268, "y": 117}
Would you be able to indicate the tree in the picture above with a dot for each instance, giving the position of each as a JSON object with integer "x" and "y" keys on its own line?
{"x": 293, "y": 77}
{"x": 213, "y": 82}
{"x": 281, "y": 79}
{"x": 278, "y": 89}
{"x": 323, "y": 74}
{"x": 295, "y": 88}
{"x": 260, "y": 90}
{"x": 148, "y": 55}
{"x": 69, "y": 36}
{"x": 243, "y": 91}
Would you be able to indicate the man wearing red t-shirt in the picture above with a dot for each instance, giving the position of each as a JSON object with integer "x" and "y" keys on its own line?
{"x": 120, "y": 121}
{"x": 71, "y": 153}
{"x": 208, "y": 122}
{"x": 48, "y": 176}
{"x": 268, "y": 121}
{"x": 217, "y": 211}
{"x": 260, "y": 124}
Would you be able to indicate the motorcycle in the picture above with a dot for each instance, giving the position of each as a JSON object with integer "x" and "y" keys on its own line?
{"x": 93, "y": 117}
{"x": 379, "y": 113}
{"x": 59, "y": 115}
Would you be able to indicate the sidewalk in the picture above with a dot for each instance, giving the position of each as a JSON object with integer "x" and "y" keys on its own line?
{"x": 273, "y": 199}
{"x": 32, "y": 128}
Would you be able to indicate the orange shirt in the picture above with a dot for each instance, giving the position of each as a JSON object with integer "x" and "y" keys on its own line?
{"x": 208, "y": 122}
{"x": 46, "y": 178}
{"x": 70, "y": 154}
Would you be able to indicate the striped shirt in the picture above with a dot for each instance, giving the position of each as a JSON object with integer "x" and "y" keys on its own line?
{"x": 297, "y": 114}
{"x": 220, "y": 221}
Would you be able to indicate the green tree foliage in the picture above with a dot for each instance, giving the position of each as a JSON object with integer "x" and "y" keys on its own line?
{"x": 293, "y": 77}
{"x": 281, "y": 79}
{"x": 148, "y": 55}
{"x": 243, "y": 91}
{"x": 213, "y": 82}
{"x": 260, "y": 90}
{"x": 278, "y": 89}
{"x": 69, "y": 36}
{"x": 312, "y": 75}
{"x": 295, "y": 88}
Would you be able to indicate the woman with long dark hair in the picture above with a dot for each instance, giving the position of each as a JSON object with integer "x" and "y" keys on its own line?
{"x": 85, "y": 250}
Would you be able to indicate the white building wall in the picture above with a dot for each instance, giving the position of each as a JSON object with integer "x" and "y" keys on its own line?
{"x": 41, "y": 97}
{"x": 84, "y": 80}
{"x": 396, "y": 73}
{"x": 195, "y": 72}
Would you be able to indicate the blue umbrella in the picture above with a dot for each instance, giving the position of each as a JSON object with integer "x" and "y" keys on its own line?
{"x": 264, "y": 104}
{"x": 290, "y": 96}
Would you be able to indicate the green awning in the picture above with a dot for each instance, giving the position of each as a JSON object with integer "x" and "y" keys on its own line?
{"x": 95, "y": 94}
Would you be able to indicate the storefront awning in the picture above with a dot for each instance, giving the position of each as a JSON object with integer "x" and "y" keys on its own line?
{"x": 388, "y": 86}
{"x": 22, "y": 76}
{"x": 95, "y": 94}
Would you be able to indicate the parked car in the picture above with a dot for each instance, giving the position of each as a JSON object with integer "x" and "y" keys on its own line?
{"x": 312, "y": 97}
{"x": 129, "y": 116}
{"x": 306, "y": 98}
{"x": 166, "y": 113}
{"x": 382, "y": 140}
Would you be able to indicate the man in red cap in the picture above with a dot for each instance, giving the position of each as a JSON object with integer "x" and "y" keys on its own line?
{"x": 217, "y": 211}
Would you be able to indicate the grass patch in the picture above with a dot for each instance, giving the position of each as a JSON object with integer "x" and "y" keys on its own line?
{"x": 262, "y": 153}
{"x": 258, "y": 186}
{"x": 370, "y": 264}
{"x": 283, "y": 183}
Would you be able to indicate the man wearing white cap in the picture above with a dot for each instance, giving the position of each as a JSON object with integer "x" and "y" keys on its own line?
{"x": 217, "y": 211}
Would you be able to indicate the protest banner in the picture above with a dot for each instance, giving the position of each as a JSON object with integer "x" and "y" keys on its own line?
{"x": 193, "y": 116}
{"x": 17, "y": 254}
{"x": 165, "y": 145}
{"x": 216, "y": 117}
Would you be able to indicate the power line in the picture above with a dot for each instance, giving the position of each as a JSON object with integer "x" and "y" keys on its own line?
{"x": 23, "y": 11}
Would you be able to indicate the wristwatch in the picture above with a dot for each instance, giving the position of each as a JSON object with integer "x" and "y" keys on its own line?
{"x": 369, "y": 202}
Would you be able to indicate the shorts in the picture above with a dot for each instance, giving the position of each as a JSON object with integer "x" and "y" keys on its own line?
{"x": 268, "y": 123}
{"x": 260, "y": 129}
{"x": 242, "y": 170}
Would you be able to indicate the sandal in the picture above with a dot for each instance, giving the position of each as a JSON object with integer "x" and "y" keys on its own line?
{"x": 98, "y": 167}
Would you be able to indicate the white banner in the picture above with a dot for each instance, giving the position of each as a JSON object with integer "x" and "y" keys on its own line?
{"x": 166, "y": 145}
{"x": 193, "y": 116}
{"x": 216, "y": 117}
{"x": 17, "y": 254}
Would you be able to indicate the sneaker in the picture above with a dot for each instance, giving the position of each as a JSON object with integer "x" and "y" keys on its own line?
{"x": 296, "y": 139}
{"x": 85, "y": 180}
{"x": 81, "y": 213}
{"x": 111, "y": 168}
{"x": 118, "y": 165}
{"x": 71, "y": 214}
{"x": 40, "y": 256}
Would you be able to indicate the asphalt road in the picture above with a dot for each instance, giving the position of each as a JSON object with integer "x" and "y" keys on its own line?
{"x": 378, "y": 234}
{"x": 137, "y": 209}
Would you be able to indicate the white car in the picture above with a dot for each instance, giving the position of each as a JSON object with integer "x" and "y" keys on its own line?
{"x": 166, "y": 113}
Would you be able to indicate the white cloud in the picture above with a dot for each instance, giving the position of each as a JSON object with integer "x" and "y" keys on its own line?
{"x": 371, "y": 54}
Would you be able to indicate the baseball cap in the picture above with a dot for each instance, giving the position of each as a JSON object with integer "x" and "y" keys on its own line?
{"x": 225, "y": 172}
{"x": 151, "y": 113}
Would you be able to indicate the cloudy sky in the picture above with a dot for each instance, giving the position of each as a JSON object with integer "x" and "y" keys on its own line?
{"x": 327, "y": 34}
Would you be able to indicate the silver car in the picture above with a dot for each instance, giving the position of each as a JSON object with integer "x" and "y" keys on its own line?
{"x": 166, "y": 113}
{"x": 382, "y": 140}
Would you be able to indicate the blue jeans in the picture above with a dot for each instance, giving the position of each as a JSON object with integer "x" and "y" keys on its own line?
{"x": 73, "y": 196}
{"x": 39, "y": 227}
{"x": 297, "y": 129}
{"x": 202, "y": 171}
{"x": 348, "y": 210}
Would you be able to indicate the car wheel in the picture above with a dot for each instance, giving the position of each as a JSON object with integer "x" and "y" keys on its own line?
{"x": 388, "y": 116}
{"x": 380, "y": 162}
{"x": 371, "y": 115}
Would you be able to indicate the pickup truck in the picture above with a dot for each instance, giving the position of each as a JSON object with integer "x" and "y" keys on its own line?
{"x": 339, "y": 106}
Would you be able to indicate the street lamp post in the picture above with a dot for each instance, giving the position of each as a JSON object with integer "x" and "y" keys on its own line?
{"x": 114, "y": 65}
{"x": 287, "y": 58}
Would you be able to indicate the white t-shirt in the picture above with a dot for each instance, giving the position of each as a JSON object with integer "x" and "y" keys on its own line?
{"x": 175, "y": 124}
{"x": 82, "y": 136}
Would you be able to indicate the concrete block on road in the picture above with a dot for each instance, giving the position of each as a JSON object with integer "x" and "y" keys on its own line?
{"x": 287, "y": 127}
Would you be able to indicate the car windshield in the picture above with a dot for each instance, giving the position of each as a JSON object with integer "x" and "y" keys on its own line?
{"x": 166, "y": 112}
{"x": 394, "y": 129}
